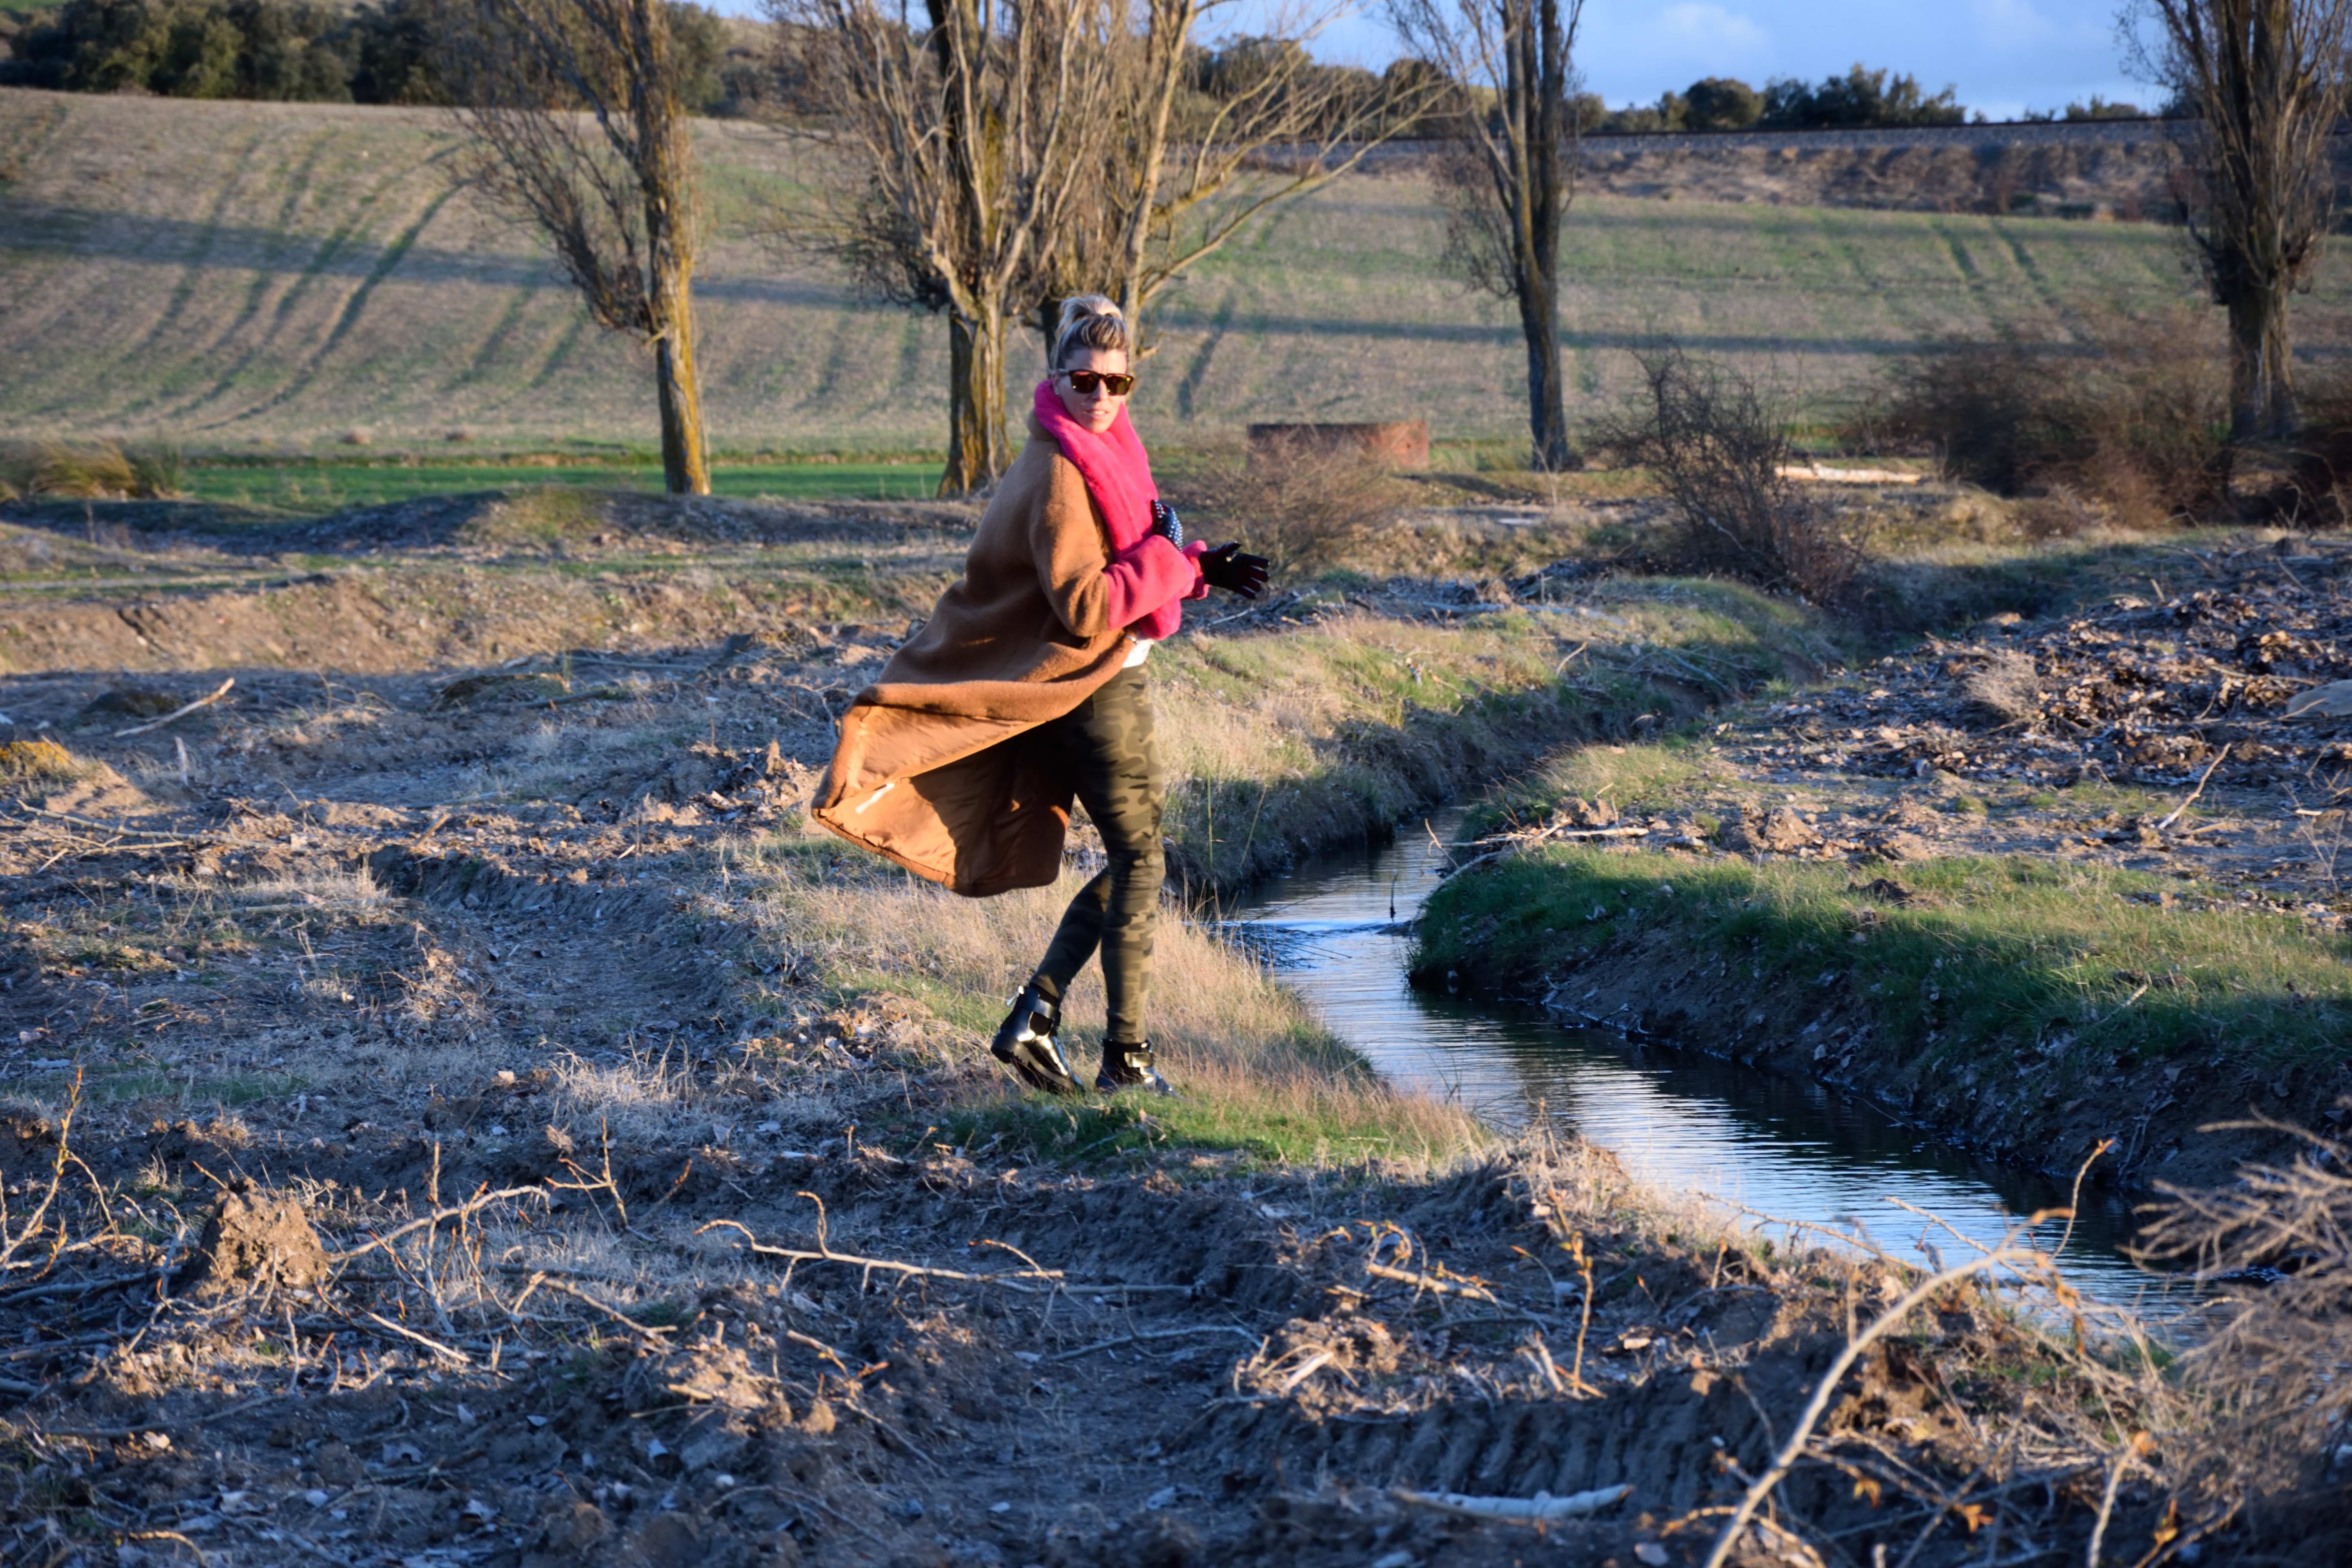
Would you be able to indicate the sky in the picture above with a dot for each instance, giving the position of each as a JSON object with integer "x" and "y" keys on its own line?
{"x": 2004, "y": 56}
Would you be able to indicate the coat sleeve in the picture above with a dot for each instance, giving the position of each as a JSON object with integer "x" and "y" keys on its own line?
{"x": 1091, "y": 589}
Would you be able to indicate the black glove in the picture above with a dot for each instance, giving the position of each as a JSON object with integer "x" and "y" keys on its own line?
{"x": 1227, "y": 567}
{"x": 1167, "y": 524}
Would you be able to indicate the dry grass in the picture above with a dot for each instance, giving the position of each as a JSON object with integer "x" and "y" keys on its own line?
{"x": 2133, "y": 420}
{"x": 41, "y": 764}
{"x": 1253, "y": 1068}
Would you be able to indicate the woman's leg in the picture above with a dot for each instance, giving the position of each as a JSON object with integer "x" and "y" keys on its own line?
{"x": 1109, "y": 745}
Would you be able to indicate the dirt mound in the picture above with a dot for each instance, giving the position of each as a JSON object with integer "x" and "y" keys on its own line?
{"x": 255, "y": 1239}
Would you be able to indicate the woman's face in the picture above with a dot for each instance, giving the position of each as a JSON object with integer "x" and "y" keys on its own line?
{"x": 1096, "y": 409}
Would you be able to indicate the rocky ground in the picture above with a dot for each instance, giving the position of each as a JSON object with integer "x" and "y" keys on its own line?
{"x": 417, "y": 1151}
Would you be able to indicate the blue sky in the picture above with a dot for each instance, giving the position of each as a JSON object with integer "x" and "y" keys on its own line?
{"x": 2004, "y": 56}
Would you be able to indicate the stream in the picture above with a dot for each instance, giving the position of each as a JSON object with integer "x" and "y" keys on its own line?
{"x": 1680, "y": 1120}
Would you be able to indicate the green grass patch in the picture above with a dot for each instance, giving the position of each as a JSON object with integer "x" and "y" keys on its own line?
{"x": 1988, "y": 956}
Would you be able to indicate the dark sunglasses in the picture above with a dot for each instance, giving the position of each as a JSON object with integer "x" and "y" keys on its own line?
{"x": 1082, "y": 382}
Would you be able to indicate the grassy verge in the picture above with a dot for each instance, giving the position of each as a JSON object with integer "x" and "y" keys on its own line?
{"x": 2084, "y": 967}
{"x": 1330, "y": 733}
{"x": 1255, "y": 1074}
{"x": 2025, "y": 1004}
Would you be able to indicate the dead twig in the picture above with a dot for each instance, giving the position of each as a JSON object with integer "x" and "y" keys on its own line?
{"x": 217, "y": 693}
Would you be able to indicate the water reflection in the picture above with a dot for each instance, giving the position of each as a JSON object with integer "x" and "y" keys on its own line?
{"x": 1678, "y": 1120}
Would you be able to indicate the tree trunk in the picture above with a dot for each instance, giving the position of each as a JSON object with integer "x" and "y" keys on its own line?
{"x": 1536, "y": 94}
{"x": 1547, "y": 397}
{"x": 975, "y": 404}
{"x": 686, "y": 465}
{"x": 2261, "y": 366}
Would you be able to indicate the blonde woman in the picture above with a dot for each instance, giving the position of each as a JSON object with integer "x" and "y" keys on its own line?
{"x": 1027, "y": 689}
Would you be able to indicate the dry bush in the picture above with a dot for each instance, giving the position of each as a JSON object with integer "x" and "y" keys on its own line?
{"x": 2278, "y": 1407}
{"x": 95, "y": 470}
{"x": 1309, "y": 513}
{"x": 2139, "y": 423}
{"x": 39, "y": 764}
{"x": 1716, "y": 446}
{"x": 2007, "y": 689}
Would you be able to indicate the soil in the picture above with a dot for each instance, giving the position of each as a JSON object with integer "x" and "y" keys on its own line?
{"x": 339, "y": 1256}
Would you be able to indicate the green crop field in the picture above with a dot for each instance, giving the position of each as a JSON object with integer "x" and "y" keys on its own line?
{"x": 285, "y": 276}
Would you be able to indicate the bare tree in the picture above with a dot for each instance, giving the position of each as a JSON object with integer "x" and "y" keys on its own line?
{"x": 1516, "y": 175}
{"x": 2266, "y": 82}
{"x": 1188, "y": 172}
{"x": 965, "y": 134}
{"x": 573, "y": 110}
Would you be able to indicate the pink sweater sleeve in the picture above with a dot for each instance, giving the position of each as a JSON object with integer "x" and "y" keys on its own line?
{"x": 1150, "y": 576}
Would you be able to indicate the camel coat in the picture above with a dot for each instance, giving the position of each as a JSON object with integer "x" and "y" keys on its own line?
{"x": 921, "y": 774}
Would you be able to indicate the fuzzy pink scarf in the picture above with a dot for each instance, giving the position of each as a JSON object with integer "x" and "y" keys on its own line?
{"x": 1149, "y": 577}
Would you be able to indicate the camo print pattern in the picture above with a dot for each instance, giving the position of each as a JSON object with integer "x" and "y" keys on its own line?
{"x": 1111, "y": 753}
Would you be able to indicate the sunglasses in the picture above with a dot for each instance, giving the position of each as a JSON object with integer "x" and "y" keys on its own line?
{"x": 1083, "y": 382}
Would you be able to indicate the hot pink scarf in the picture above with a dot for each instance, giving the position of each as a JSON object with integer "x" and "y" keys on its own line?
{"x": 1149, "y": 578}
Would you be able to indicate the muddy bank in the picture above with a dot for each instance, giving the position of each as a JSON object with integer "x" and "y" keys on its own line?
{"x": 2027, "y": 1099}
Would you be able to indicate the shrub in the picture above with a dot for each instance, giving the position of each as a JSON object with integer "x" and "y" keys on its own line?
{"x": 1716, "y": 446}
{"x": 34, "y": 763}
{"x": 97, "y": 469}
{"x": 158, "y": 472}
{"x": 2139, "y": 422}
{"x": 1312, "y": 512}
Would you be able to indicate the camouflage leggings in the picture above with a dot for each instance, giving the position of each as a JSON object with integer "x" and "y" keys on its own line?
{"x": 1108, "y": 747}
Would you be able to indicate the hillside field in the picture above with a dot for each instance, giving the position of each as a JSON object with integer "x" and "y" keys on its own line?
{"x": 284, "y": 277}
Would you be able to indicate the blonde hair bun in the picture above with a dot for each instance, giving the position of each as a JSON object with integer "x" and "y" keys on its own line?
{"x": 1089, "y": 322}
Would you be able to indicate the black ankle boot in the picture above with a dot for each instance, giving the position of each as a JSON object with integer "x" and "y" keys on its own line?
{"x": 1128, "y": 1067}
{"x": 1025, "y": 1042}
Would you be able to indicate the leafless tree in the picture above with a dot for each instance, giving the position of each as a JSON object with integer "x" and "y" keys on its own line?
{"x": 1187, "y": 172}
{"x": 964, "y": 135}
{"x": 2266, "y": 82}
{"x": 1516, "y": 174}
{"x": 1110, "y": 170}
{"x": 572, "y": 107}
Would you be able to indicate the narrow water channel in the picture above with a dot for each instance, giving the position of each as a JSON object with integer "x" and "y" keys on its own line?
{"x": 1678, "y": 1120}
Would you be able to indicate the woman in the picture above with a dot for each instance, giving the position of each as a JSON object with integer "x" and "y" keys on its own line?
{"x": 1026, "y": 688}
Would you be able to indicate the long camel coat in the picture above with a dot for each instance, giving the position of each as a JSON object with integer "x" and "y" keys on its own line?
{"x": 921, "y": 773}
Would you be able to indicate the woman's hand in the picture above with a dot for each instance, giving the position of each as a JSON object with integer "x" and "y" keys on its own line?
{"x": 1228, "y": 568}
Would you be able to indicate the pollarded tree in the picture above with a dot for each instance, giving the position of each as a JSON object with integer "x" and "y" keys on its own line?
{"x": 1517, "y": 174}
{"x": 1205, "y": 140}
{"x": 574, "y": 111}
{"x": 2265, "y": 82}
{"x": 961, "y": 137}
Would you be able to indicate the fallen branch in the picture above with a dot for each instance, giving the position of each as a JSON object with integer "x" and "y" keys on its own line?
{"x": 649, "y": 1332}
{"x": 460, "y": 1357}
{"x": 889, "y": 1265}
{"x": 218, "y": 692}
{"x": 1786, "y": 1460}
{"x": 480, "y": 1200}
{"x": 2218, "y": 758}
{"x": 1430, "y": 1282}
{"x": 1153, "y": 1334}
{"x": 1541, "y": 1508}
